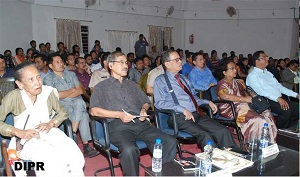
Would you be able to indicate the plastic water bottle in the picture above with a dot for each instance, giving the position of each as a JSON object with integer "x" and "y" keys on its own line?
{"x": 157, "y": 156}
{"x": 264, "y": 139}
{"x": 206, "y": 162}
{"x": 208, "y": 149}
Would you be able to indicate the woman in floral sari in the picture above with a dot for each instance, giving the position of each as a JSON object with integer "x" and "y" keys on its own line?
{"x": 248, "y": 120}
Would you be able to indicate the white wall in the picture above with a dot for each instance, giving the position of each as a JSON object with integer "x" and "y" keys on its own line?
{"x": 44, "y": 29}
{"x": 15, "y": 25}
{"x": 263, "y": 25}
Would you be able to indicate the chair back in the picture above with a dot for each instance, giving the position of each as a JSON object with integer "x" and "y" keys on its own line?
{"x": 7, "y": 85}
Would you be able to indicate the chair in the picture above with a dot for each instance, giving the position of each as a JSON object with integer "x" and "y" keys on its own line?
{"x": 101, "y": 139}
{"x": 227, "y": 121}
{"x": 66, "y": 127}
{"x": 7, "y": 85}
{"x": 161, "y": 121}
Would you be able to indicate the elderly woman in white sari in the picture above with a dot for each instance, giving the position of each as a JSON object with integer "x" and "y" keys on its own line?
{"x": 33, "y": 105}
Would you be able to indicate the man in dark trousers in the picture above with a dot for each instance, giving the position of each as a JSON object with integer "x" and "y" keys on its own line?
{"x": 120, "y": 101}
{"x": 189, "y": 116}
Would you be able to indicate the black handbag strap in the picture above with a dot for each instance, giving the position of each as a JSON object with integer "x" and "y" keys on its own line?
{"x": 171, "y": 89}
{"x": 248, "y": 89}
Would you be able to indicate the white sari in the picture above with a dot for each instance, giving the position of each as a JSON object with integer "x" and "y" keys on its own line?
{"x": 60, "y": 154}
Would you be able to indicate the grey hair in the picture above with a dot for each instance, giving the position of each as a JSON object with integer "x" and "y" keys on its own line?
{"x": 19, "y": 68}
{"x": 112, "y": 57}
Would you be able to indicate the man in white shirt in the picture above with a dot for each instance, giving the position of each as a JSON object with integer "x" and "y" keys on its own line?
{"x": 264, "y": 83}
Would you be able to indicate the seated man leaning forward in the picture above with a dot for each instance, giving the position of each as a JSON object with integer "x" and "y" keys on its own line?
{"x": 70, "y": 90}
{"x": 115, "y": 94}
{"x": 188, "y": 114}
{"x": 32, "y": 105}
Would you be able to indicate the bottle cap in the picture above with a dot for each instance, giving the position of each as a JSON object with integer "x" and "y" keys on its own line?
{"x": 209, "y": 142}
{"x": 158, "y": 140}
{"x": 266, "y": 125}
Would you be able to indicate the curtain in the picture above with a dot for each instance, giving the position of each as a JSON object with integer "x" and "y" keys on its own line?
{"x": 168, "y": 41}
{"x": 123, "y": 39}
{"x": 155, "y": 38}
{"x": 68, "y": 32}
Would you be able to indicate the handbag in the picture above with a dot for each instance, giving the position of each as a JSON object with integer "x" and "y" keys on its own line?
{"x": 259, "y": 103}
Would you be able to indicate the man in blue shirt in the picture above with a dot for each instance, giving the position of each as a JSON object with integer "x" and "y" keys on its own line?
{"x": 188, "y": 66}
{"x": 201, "y": 77}
{"x": 140, "y": 46}
{"x": 187, "y": 114}
{"x": 41, "y": 63}
{"x": 5, "y": 72}
{"x": 264, "y": 83}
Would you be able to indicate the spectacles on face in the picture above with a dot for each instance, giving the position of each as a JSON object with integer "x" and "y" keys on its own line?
{"x": 121, "y": 62}
{"x": 176, "y": 59}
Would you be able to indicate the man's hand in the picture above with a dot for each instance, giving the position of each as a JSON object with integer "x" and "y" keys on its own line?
{"x": 247, "y": 99}
{"x": 143, "y": 115}
{"x": 213, "y": 107}
{"x": 283, "y": 104}
{"x": 27, "y": 134}
{"x": 126, "y": 117}
{"x": 188, "y": 115}
{"x": 45, "y": 127}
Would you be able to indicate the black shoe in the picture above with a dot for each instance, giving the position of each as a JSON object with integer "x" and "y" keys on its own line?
{"x": 89, "y": 152}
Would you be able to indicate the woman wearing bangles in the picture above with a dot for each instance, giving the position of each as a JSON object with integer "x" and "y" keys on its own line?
{"x": 232, "y": 89}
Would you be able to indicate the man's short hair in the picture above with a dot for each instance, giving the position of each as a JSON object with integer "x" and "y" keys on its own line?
{"x": 119, "y": 49}
{"x": 2, "y": 57}
{"x": 43, "y": 57}
{"x": 137, "y": 60}
{"x": 47, "y": 43}
{"x": 104, "y": 58}
{"x": 28, "y": 50}
{"x": 19, "y": 68}
{"x": 87, "y": 55}
{"x": 255, "y": 56}
{"x": 112, "y": 57}
{"x": 96, "y": 41}
{"x": 32, "y": 41}
{"x": 292, "y": 62}
{"x": 194, "y": 57}
{"x": 130, "y": 53}
{"x": 141, "y": 35}
{"x": 51, "y": 58}
{"x": 77, "y": 60}
{"x": 60, "y": 43}
{"x": 165, "y": 56}
{"x": 40, "y": 45}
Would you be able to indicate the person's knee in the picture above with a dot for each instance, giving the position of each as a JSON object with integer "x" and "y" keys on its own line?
{"x": 130, "y": 151}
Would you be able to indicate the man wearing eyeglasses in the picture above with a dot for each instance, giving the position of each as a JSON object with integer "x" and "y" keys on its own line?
{"x": 186, "y": 103}
{"x": 264, "y": 83}
{"x": 125, "y": 106}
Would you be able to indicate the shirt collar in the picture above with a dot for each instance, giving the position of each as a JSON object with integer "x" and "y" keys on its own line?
{"x": 260, "y": 70}
{"x": 114, "y": 80}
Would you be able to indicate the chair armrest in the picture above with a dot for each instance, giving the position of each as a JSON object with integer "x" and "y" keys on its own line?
{"x": 104, "y": 123}
{"x": 232, "y": 107}
{"x": 169, "y": 112}
{"x": 68, "y": 128}
{"x": 208, "y": 108}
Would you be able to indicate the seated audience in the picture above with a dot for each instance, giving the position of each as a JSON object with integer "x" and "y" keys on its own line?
{"x": 61, "y": 51}
{"x": 41, "y": 63}
{"x": 244, "y": 68}
{"x": 136, "y": 72}
{"x": 124, "y": 127}
{"x": 48, "y": 48}
{"x": 151, "y": 77}
{"x": 4, "y": 71}
{"x": 32, "y": 106}
{"x": 264, "y": 84}
{"x": 130, "y": 58}
{"x": 188, "y": 115}
{"x": 156, "y": 63}
{"x": 271, "y": 68}
{"x": 88, "y": 59}
{"x": 33, "y": 46}
{"x": 84, "y": 76}
{"x": 100, "y": 75}
{"x": 281, "y": 66}
{"x": 290, "y": 75}
{"x": 9, "y": 60}
{"x": 188, "y": 66}
{"x": 201, "y": 77}
{"x": 232, "y": 89}
{"x": 43, "y": 49}
{"x": 70, "y": 90}
{"x": 19, "y": 57}
{"x": 147, "y": 63}
{"x": 70, "y": 62}
{"x": 29, "y": 56}
{"x": 153, "y": 54}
